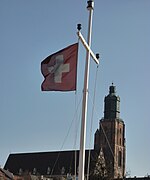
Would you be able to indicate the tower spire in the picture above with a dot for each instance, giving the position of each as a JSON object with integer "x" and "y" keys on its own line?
{"x": 112, "y": 104}
{"x": 112, "y": 89}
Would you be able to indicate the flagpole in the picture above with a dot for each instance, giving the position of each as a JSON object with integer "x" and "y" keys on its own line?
{"x": 90, "y": 8}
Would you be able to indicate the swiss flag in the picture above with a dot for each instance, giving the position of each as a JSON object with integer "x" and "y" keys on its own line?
{"x": 60, "y": 70}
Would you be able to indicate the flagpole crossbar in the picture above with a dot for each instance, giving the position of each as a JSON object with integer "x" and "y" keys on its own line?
{"x": 95, "y": 57}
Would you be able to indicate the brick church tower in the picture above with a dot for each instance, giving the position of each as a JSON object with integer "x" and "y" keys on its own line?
{"x": 110, "y": 137}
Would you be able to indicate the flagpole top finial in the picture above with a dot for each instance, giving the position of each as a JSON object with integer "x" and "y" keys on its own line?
{"x": 79, "y": 27}
{"x": 90, "y": 4}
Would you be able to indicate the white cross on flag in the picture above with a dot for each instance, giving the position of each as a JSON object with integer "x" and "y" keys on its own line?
{"x": 60, "y": 70}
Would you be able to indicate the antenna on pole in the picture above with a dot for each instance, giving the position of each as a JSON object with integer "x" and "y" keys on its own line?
{"x": 90, "y": 8}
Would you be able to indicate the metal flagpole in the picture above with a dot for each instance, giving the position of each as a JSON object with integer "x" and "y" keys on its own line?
{"x": 90, "y": 7}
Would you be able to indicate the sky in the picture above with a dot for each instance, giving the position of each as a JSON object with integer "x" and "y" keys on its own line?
{"x": 35, "y": 121}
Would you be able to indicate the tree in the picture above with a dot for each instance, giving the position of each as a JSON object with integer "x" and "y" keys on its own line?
{"x": 100, "y": 171}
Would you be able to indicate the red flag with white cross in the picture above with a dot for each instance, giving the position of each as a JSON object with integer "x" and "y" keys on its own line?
{"x": 60, "y": 70}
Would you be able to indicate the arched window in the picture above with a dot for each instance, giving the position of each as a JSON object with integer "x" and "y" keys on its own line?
{"x": 120, "y": 130}
{"x": 117, "y": 136}
{"x": 120, "y": 142}
{"x": 119, "y": 158}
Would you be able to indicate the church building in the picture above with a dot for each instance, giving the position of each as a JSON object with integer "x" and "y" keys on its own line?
{"x": 107, "y": 158}
{"x": 110, "y": 137}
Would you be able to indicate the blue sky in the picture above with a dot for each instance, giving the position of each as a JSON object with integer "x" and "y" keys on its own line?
{"x": 31, "y": 120}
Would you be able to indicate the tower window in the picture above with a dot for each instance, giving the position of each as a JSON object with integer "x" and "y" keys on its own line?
{"x": 119, "y": 158}
{"x": 120, "y": 142}
{"x": 117, "y": 136}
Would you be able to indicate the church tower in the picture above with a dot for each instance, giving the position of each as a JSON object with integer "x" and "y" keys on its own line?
{"x": 111, "y": 135}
